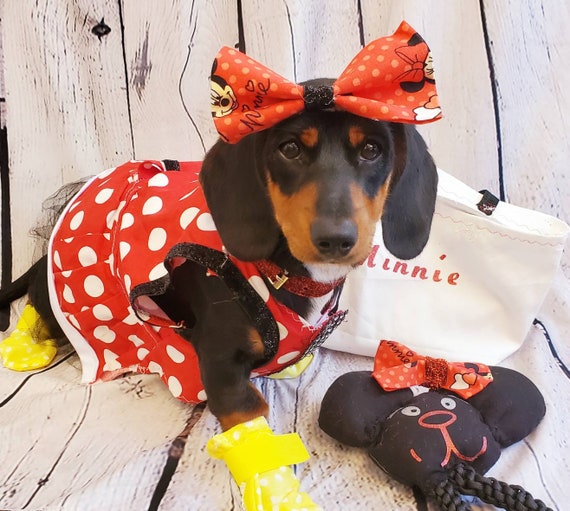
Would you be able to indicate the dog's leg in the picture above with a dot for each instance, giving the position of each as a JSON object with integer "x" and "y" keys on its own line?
{"x": 228, "y": 349}
{"x": 257, "y": 458}
{"x": 29, "y": 346}
{"x": 32, "y": 344}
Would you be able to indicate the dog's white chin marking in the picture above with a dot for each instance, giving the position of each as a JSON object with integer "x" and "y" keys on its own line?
{"x": 327, "y": 272}
{"x": 324, "y": 272}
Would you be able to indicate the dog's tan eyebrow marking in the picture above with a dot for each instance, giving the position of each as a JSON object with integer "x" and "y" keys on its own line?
{"x": 310, "y": 137}
{"x": 355, "y": 135}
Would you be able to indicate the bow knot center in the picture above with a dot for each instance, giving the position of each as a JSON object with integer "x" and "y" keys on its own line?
{"x": 435, "y": 372}
{"x": 318, "y": 97}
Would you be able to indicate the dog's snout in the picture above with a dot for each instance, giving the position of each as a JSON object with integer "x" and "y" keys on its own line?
{"x": 334, "y": 238}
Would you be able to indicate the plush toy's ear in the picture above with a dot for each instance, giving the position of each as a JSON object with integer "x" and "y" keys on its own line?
{"x": 236, "y": 192}
{"x": 355, "y": 408}
{"x": 512, "y": 406}
{"x": 408, "y": 212}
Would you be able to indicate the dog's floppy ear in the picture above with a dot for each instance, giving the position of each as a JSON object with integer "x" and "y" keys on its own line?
{"x": 408, "y": 211}
{"x": 233, "y": 180}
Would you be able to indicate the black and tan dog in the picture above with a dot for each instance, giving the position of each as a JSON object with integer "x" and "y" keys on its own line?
{"x": 300, "y": 201}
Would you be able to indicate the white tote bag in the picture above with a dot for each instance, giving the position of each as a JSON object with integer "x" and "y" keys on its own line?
{"x": 472, "y": 294}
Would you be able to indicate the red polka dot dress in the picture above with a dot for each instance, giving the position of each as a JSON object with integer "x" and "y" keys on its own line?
{"x": 114, "y": 237}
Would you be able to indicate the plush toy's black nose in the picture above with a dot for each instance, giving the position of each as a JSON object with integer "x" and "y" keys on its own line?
{"x": 334, "y": 238}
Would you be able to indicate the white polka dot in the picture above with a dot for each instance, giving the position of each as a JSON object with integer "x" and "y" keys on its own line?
{"x": 102, "y": 312}
{"x": 174, "y": 386}
{"x": 127, "y": 221}
{"x": 87, "y": 256}
{"x": 152, "y": 205}
{"x": 158, "y": 180}
{"x": 66, "y": 273}
{"x": 257, "y": 283}
{"x": 188, "y": 216}
{"x": 153, "y": 367}
{"x": 205, "y": 222}
{"x": 76, "y": 220}
{"x": 136, "y": 340}
{"x": 93, "y": 286}
{"x": 75, "y": 204}
{"x": 288, "y": 357}
{"x": 111, "y": 218}
{"x": 142, "y": 353}
{"x": 106, "y": 173}
{"x": 157, "y": 239}
{"x": 73, "y": 320}
{"x": 122, "y": 204}
{"x": 131, "y": 319}
{"x": 68, "y": 294}
{"x": 157, "y": 272}
{"x": 202, "y": 396}
{"x": 111, "y": 263}
{"x": 128, "y": 283}
{"x": 176, "y": 355}
{"x": 104, "y": 195}
{"x": 56, "y": 259}
{"x": 111, "y": 363}
{"x": 104, "y": 334}
{"x": 283, "y": 332}
{"x": 124, "y": 249}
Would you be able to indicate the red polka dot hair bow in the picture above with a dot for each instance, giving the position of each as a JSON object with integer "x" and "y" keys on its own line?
{"x": 391, "y": 79}
{"x": 397, "y": 367}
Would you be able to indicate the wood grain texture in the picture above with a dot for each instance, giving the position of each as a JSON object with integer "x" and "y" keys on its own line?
{"x": 169, "y": 49}
{"x": 463, "y": 143}
{"x": 77, "y": 103}
{"x": 65, "y": 102}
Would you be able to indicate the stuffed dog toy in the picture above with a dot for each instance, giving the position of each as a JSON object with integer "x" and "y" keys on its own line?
{"x": 443, "y": 440}
{"x": 210, "y": 273}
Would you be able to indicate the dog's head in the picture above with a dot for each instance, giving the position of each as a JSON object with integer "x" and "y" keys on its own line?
{"x": 322, "y": 180}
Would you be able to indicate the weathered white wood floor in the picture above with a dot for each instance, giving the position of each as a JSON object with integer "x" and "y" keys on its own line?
{"x": 73, "y": 103}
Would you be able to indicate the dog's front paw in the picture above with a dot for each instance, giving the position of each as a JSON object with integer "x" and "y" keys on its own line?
{"x": 258, "y": 460}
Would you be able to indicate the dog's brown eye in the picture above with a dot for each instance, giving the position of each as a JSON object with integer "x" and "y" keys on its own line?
{"x": 290, "y": 149}
{"x": 370, "y": 151}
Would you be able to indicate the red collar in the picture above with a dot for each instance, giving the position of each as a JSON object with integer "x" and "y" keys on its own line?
{"x": 298, "y": 285}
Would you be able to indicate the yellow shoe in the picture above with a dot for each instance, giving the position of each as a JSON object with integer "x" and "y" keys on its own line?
{"x": 293, "y": 371}
{"x": 258, "y": 460}
{"x": 27, "y": 347}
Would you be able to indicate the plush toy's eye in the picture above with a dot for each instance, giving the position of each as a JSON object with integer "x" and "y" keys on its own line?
{"x": 411, "y": 411}
{"x": 290, "y": 149}
{"x": 448, "y": 403}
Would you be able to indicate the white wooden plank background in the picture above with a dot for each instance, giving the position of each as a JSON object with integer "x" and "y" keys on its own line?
{"x": 76, "y": 104}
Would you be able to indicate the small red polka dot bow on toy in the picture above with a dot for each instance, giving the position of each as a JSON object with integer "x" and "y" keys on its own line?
{"x": 391, "y": 79}
{"x": 397, "y": 367}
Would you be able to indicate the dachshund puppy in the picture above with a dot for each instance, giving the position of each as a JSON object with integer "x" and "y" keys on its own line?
{"x": 209, "y": 274}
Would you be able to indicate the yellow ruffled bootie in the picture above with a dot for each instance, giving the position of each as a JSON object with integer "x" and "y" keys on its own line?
{"x": 258, "y": 460}
{"x": 293, "y": 371}
{"x": 28, "y": 347}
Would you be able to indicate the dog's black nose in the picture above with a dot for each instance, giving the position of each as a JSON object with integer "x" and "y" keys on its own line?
{"x": 334, "y": 238}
